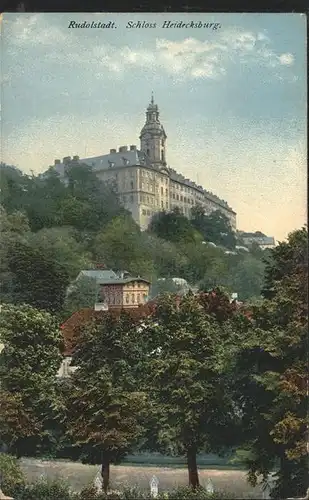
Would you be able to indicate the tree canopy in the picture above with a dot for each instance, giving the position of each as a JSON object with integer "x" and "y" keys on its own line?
{"x": 271, "y": 373}
{"x": 29, "y": 363}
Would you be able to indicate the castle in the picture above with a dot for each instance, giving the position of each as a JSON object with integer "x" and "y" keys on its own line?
{"x": 143, "y": 180}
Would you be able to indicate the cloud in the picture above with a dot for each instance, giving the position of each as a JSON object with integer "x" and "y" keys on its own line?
{"x": 189, "y": 58}
{"x": 286, "y": 59}
{"x": 34, "y": 29}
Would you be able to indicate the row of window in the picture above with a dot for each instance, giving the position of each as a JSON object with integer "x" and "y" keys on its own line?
{"x": 153, "y": 176}
{"x": 129, "y": 299}
{"x": 151, "y": 212}
{"x": 138, "y": 299}
{"x": 182, "y": 198}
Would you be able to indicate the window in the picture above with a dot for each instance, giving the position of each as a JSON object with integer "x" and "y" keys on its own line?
{"x": 166, "y": 204}
{"x": 132, "y": 185}
{"x": 162, "y": 205}
{"x": 185, "y": 199}
{"x": 138, "y": 298}
{"x": 151, "y": 201}
{"x": 131, "y": 198}
{"x": 144, "y": 211}
{"x": 174, "y": 196}
{"x": 133, "y": 298}
{"x": 127, "y": 298}
{"x": 147, "y": 198}
{"x": 166, "y": 192}
{"x": 148, "y": 152}
{"x": 181, "y": 198}
{"x": 161, "y": 190}
{"x": 177, "y": 196}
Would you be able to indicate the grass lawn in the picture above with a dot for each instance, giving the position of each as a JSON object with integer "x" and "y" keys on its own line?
{"x": 79, "y": 475}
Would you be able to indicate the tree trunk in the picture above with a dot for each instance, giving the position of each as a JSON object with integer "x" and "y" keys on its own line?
{"x": 192, "y": 468}
{"x": 105, "y": 474}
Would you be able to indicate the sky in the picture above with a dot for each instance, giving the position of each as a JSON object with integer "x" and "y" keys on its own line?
{"x": 232, "y": 100}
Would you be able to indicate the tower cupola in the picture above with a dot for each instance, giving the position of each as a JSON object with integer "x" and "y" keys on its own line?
{"x": 153, "y": 136}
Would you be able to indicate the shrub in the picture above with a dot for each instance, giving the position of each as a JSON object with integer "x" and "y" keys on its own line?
{"x": 12, "y": 477}
{"x": 188, "y": 493}
{"x": 46, "y": 490}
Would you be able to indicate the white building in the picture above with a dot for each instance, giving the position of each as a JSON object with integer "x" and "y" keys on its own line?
{"x": 143, "y": 180}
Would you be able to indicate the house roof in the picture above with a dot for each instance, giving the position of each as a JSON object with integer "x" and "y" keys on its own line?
{"x": 84, "y": 316}
{"x": 122, "y": 281}
{"x": 98, "y": 274}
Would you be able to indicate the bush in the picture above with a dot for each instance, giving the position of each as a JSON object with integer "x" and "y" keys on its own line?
{"x": 12, "y": 477}
{"x": 188, "y": 493}
{"x": 136, "y": 494}
{"x": 46, "y": 490}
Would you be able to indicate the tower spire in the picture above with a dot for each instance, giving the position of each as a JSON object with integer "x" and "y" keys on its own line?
{"x": 152, "y": 101}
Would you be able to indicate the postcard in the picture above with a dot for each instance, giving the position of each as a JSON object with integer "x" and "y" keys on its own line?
{"x": 145, "y": 154}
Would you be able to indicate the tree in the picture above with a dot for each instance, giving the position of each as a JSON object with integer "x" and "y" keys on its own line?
{"x": 183, "y": 375}
{"x": 214, "y": 227}
{"x": 59, "y": 244}
{"x": 82, "y": 293}
{"x": 122, "y": 246}
{"x": 167, "y": 285}
{"x": 173, "y": 226}
{"x": 168, "y": 258}
{"x": 29, "y": 362}
{"x": 38, "y": 281}
{"x": 271, "y": 374}
{"x": 283, "y": 260}
{"x": 104, "y": 407}
{"x": 13, "y": 227}
{"x": 246, "y": 278}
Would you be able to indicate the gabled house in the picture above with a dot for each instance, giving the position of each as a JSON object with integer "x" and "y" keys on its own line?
{"x": 124, "y": 291}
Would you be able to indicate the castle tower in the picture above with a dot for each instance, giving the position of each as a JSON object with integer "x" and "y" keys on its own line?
{"x": 153, "y": 136}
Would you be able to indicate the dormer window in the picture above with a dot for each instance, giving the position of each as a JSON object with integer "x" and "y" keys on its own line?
{"x": 125, "y": 161}
{"x": 111, "y": 164}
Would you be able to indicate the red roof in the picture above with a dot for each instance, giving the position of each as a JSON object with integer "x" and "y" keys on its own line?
{"x": 83, "y": 316}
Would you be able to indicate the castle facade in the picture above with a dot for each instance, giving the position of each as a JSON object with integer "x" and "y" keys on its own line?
{"x": 144, "y": 181}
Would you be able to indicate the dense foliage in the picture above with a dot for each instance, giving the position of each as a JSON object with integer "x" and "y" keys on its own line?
{"x": 271, "y": 374}
{"x": 104, "y": 406}
{"x": 29, "y": 363}
{"x": 197, "y": 374}
{"x": 51, "y": 230}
